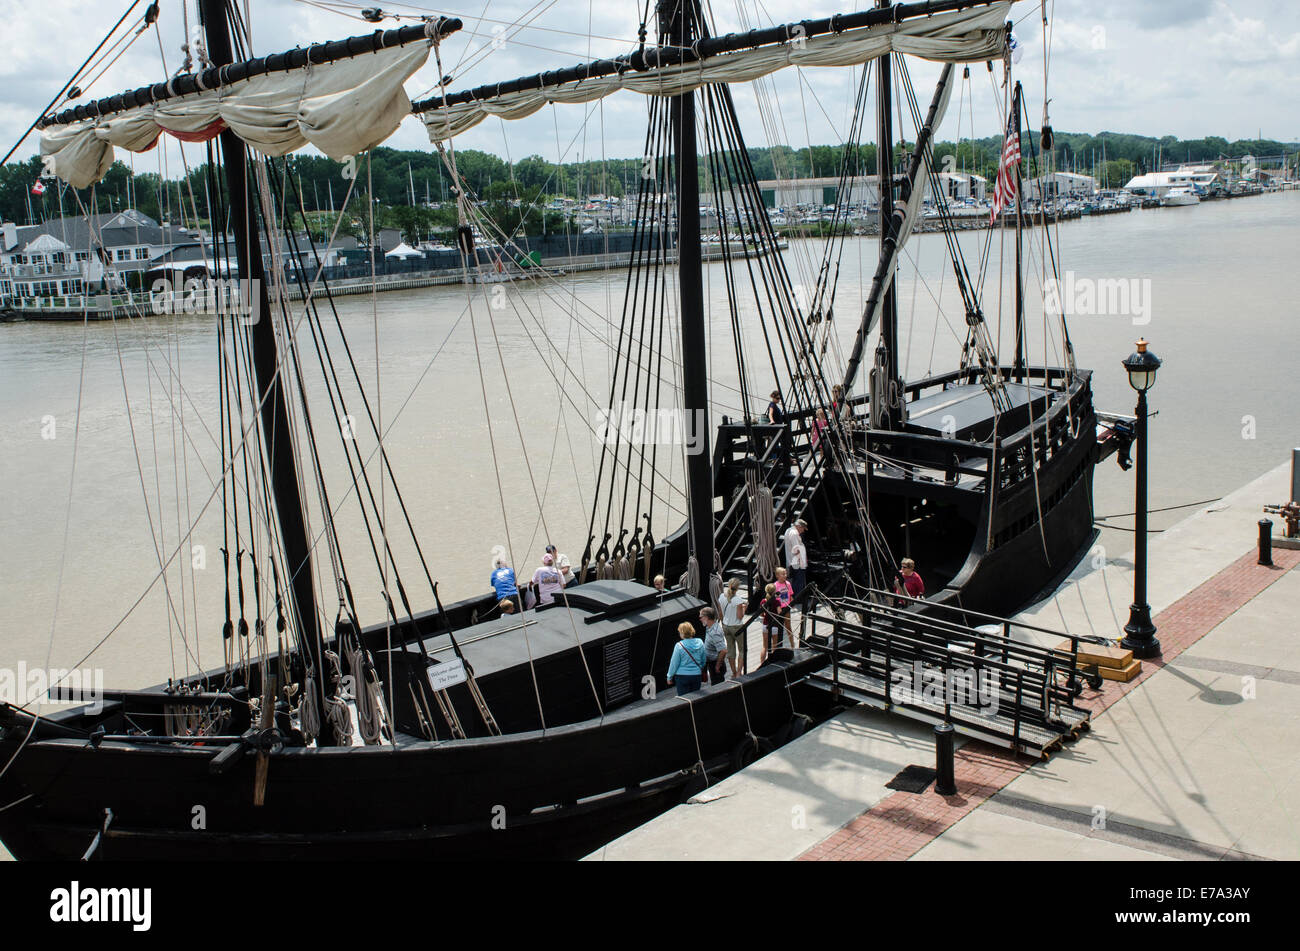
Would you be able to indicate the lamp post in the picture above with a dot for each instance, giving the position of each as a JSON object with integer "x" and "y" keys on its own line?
{"x": 1140, "y": 633}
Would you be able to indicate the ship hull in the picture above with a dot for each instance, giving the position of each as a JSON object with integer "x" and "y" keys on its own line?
{"x": 552, "y": 793}
{"x": 527, "y": 796}
{"x": 993, "y": 520}
{"x": 562, "y": 791}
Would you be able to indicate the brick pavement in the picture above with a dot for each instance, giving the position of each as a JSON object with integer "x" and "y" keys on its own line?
{"x": 901, "y": 824}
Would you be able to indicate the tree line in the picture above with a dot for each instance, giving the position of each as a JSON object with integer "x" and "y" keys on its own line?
{"x": 410, "y": 189}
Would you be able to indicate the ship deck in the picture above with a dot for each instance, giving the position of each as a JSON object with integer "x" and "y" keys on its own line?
{"x": 597, "y": 610}
{"x": 966, "y": 411}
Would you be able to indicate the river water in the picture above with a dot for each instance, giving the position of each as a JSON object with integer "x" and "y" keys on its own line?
{"x": 1213, "y": 287}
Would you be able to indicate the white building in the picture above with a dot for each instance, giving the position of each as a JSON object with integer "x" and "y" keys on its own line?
{"x": 1060, "y": 185}
{"x": 71, "y": 256}
{"x": 963, "y": 185}
{"x": 47, "y": 267}
{"x": 815, "y": 192}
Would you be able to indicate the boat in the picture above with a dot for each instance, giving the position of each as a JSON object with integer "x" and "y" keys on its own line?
{"x": 459, "y": 731}
{"x": 1180, "y": 195}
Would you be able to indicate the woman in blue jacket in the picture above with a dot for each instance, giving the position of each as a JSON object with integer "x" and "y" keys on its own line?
{"x": 687, "y": 664}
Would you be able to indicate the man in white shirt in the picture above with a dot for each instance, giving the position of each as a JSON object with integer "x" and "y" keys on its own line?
{"x": 796, "y": 556}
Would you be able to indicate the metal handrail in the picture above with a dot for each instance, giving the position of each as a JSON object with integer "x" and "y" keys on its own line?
{"x": 1044, "y": 682}
{"x": 884, "y": 669}
{"x": 1085, "y": 638}
{"x": 1049, "y": 660}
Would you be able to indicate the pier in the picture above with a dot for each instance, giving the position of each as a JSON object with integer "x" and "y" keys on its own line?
{"x": 1191, "y": 759}
{"x": 128, "y": 304}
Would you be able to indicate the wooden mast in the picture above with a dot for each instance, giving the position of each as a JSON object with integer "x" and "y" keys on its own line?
{"x": 278, "y": 439}
{"x": 1018, "y": 368}
{"x": 679, "y": 27}
{"x": 885, "y": 417}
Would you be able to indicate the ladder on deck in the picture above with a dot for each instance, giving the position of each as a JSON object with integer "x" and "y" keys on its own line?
{"x": 984, "y": 682}
{"x": 793, "y": 481}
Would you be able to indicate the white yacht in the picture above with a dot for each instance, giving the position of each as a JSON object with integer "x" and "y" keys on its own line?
{"x": 1182, "y": 195}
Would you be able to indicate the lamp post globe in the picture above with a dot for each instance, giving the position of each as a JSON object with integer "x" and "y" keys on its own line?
{"x": 1139, "y": 632}
{"x": 1141, "y": 367}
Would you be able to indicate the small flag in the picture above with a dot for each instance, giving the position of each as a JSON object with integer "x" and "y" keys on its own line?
{"x": 1005, "y": 190}
{"x": 38, "y": 188}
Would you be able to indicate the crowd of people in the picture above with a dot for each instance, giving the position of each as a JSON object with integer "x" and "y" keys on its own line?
{"x": 720, "y": 644}
{"x": 723, "y": 647}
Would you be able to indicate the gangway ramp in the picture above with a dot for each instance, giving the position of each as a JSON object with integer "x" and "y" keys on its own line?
{"x": 987, "y": 684}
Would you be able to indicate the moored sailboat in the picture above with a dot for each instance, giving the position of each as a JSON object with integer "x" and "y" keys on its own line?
{"x": 543, "y": 732}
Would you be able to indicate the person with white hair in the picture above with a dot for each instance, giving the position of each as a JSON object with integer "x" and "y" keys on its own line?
{"x": 503, "y": 576}
{"x": 796, "y": 556}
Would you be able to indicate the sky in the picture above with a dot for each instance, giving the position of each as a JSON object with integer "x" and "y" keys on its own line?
{"x": 1187, "y": 68}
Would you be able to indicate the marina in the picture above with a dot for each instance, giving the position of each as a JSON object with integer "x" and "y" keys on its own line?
{"x": 426, "y": 272}
{"x": 936, "y": 509}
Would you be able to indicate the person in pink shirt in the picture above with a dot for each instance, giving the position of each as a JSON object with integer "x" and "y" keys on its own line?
{"x": 817, "y": 434}
{"x": 548, "y": 579}
{"x": 784, "y": 596}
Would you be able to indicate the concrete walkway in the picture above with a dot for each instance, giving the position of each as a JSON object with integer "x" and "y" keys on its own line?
{"x": 1198, "y": 762}
{"x": 1195, "y": 759}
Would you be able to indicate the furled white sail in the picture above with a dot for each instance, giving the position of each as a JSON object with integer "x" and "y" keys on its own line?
{"x": 342, "y": 108}
{"x": 957, "y": 37}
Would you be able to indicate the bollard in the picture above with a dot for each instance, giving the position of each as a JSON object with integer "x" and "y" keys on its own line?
{"x": 1266, "y": 541}
{"x": 945, "y": 783}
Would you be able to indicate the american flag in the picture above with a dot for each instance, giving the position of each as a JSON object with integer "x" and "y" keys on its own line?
{"x": 1005, "y": 190}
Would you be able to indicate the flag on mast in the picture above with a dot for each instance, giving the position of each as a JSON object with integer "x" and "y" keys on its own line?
{"x": 1005, "y": 190}
{"x": 38, "y": 188}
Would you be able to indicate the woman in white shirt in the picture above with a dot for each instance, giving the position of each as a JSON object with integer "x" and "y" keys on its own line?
{"x": 732, "y": 605}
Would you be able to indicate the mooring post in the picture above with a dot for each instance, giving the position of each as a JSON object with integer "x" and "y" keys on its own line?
{"x": 945, "y": 782}
{"x": 1266, "y": 541}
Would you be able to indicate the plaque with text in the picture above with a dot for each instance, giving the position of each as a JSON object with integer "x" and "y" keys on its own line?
{"x": 618, "y": 670}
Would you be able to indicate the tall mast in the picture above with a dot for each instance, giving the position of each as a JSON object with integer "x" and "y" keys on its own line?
{"x": 884, "y": 417}
{"x": 271, "y": 393}
{"x": 1018, "y": 368}
{"x": 679, "y": 22}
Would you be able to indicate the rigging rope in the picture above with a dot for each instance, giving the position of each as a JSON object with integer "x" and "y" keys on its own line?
{"x": 763, "y": 519}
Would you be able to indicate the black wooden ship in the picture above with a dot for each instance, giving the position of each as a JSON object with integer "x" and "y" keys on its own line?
{"x": 547, "y": 732}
